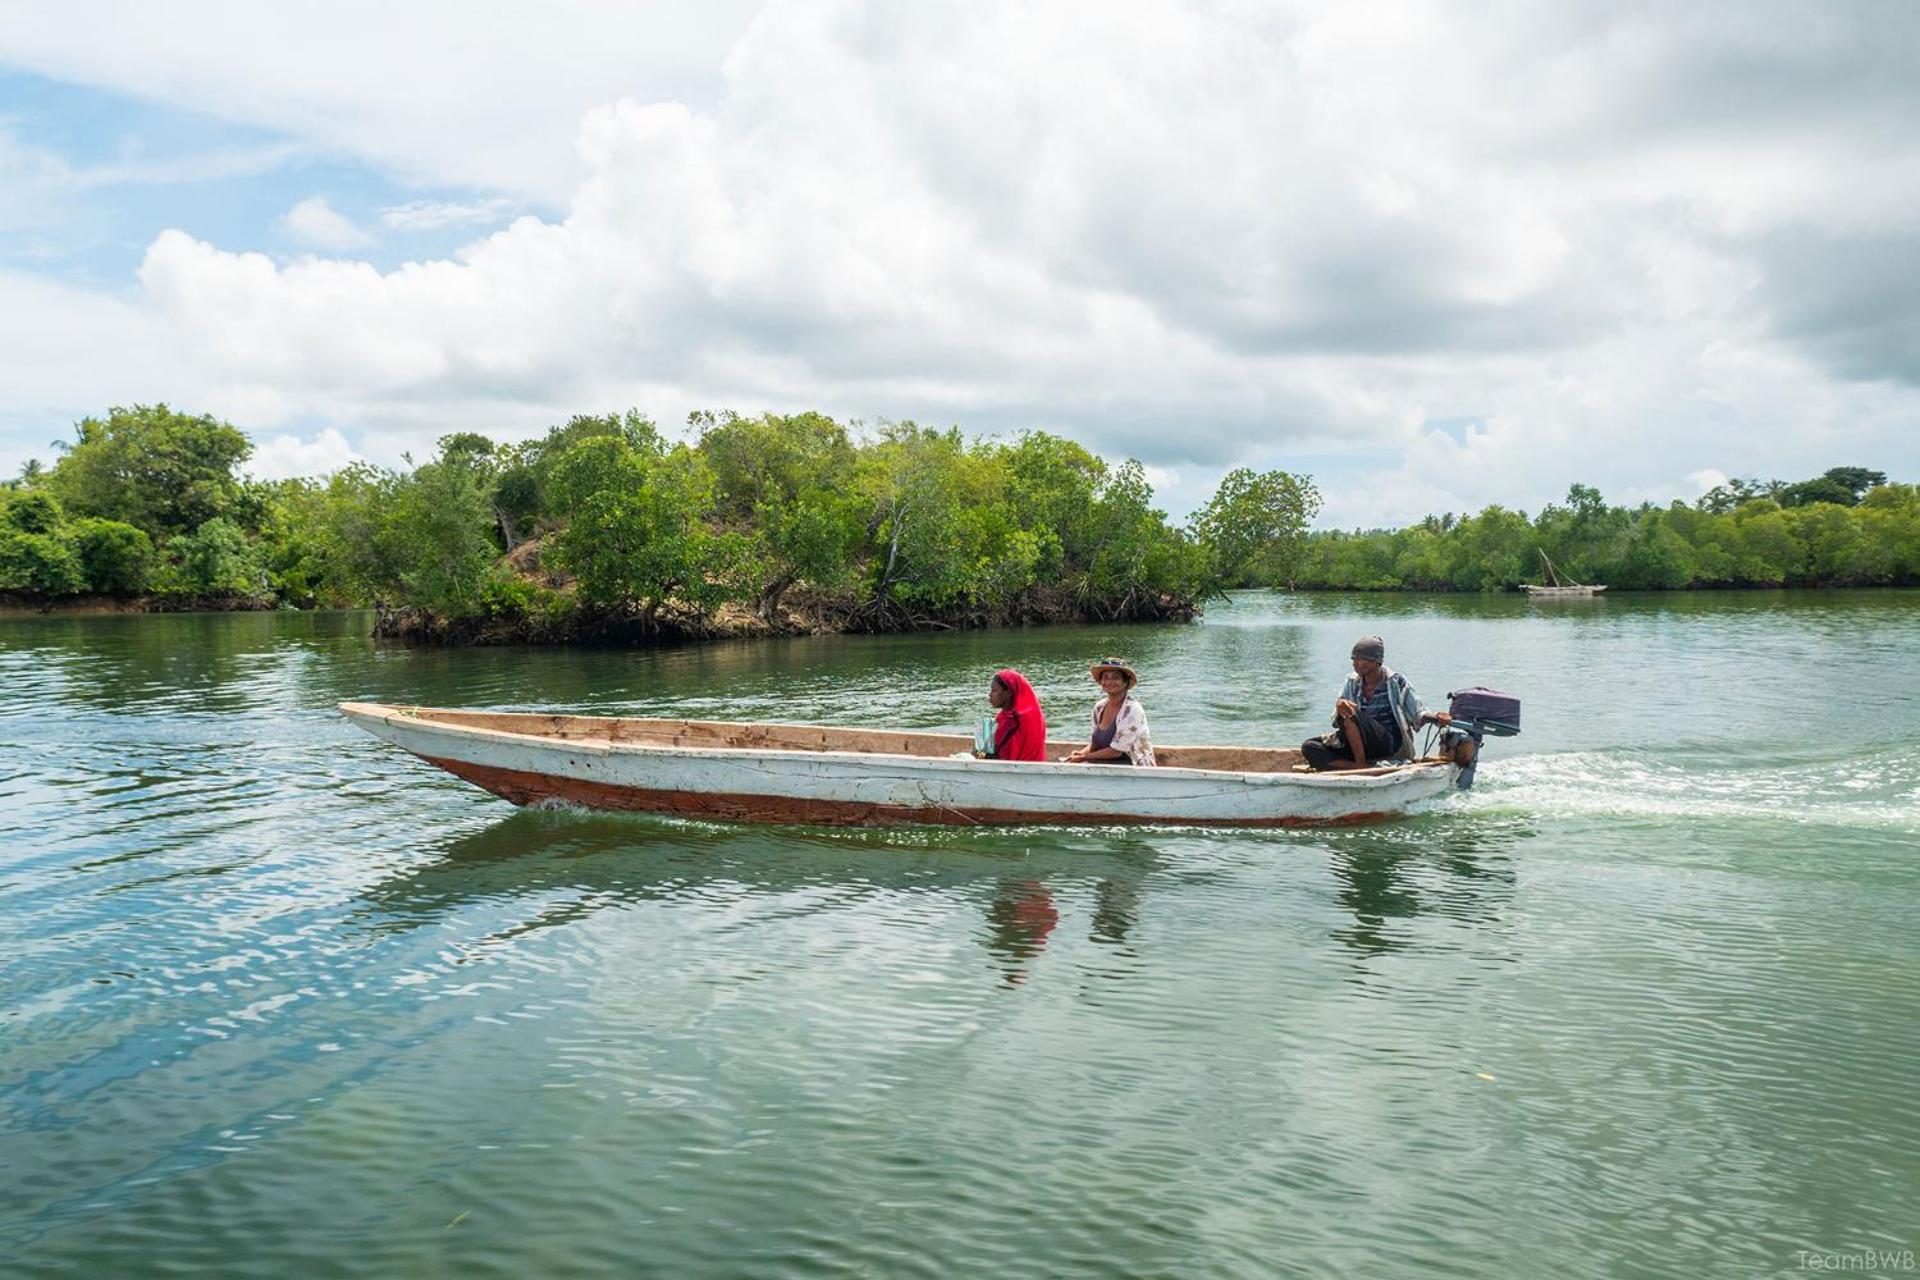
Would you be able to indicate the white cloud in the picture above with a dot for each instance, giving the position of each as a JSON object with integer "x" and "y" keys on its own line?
{"x": 434, "y": 215}
{"x": 1704, "y": 481}
{"x": 285, "y": 457}
{"x": 72, "y": 350}
{"x": 425, "y": 87}
{"x": 318, "y": 224}
{"x": 1161, "y": 479}
{"x": 1278, "y": 236}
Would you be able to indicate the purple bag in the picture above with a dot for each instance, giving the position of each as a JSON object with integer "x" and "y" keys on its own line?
{"x": 1496, "y": 712}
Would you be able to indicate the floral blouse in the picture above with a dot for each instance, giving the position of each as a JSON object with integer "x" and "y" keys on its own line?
{"x": 1129, "y": 729}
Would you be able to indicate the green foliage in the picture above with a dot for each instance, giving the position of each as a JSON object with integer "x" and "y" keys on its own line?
{"x": 39, "y": 564}
{"x": 516, "y": 599}
{"x": 906, "y": 523}
{"x": 636, "y": 526}
{"x": 1855, "y": 480}
{"x": 1840, "y": 486}
{"x": 1054, "y": 485}
{"x": 790, "y": 480}
{"x": 1126, "y": 531}
{"x": 434, "y": 531}
{"x": 1657, "y": 556}
{"x": 1496, "y": 549}
{"x": 1134, "y": 560}
{"x": 935, "y": 515}
{"x": 217, "y": 559}
{"x": 332, "y": 540}
{"x": 116, "y": 559}
{"x": 523, "y": 476}
{"x": 1724, "y": 498}
{"x": 1740, "y": 534}
{"x": 294, "y": 536}
{"x": 49, "y": 555}
{"x": 1255, "y": 525}
{"x": 425, "y": 537}
{"x": 32, "y": 511}
{"x": 1818, "y": 490}
{"x": 163, "y": 472}
{"x": 467, "y": 449}
{"x": 1830, "y": 542}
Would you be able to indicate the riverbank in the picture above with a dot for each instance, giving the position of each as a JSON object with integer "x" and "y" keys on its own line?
{"x": 799, "y": 615}
{"x": 802, "y": 614}
{"x": 13, "y": 604}
{"x": 805, "y": 616}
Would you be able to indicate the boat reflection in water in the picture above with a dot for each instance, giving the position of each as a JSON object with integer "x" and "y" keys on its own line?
{"x": 575, "y": 864}
{"x": 1458, "y": 871}
{"x": 1403, "y": 887}
{"x": 1021, "y": 915}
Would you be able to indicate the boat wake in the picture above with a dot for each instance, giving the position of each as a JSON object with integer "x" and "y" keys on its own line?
{"x": 1879, "y": 792}
{"x": 558, "y": 804}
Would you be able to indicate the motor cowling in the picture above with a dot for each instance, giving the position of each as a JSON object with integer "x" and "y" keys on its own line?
{"x": 1489, "y": 711}
{"x": 1479, "y": 713}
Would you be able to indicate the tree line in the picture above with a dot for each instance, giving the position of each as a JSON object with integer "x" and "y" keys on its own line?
{"x": 1848, "y": 527}
{"x": 605, "y": 519}
{"x": 797, "y": 520}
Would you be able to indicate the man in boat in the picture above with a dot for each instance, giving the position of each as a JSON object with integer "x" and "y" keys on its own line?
{"x": 1375, "y": 717}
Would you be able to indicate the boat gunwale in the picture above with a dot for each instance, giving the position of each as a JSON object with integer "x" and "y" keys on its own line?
{"x": 1378, "y": 777}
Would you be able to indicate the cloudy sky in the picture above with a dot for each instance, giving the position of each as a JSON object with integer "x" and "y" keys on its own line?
{"x": 1437, "y": 255}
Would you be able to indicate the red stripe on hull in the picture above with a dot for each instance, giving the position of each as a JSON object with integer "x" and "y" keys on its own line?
{"x": 533, "y": 788}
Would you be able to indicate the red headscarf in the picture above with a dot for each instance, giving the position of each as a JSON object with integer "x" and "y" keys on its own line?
{"x": 1020, "y": 732}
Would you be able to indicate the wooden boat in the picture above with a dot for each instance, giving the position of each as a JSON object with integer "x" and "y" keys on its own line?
{"x": 868, "y": 777}
{"x": 1555, "y": 589}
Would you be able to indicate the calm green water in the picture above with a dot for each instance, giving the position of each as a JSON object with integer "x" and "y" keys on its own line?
{"x": 276, "y": 1000}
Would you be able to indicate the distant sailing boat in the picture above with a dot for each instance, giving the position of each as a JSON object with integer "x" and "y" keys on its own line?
{"x": 1556, "y": 589}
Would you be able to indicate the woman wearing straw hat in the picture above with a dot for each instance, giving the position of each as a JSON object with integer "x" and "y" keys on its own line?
{"x": 1119, "y": 721}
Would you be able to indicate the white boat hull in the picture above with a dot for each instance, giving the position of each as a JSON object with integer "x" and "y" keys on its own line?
{"x": 875, "y": 787}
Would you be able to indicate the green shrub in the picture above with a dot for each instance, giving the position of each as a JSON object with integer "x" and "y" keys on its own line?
{"x": 217, "y": 560}
{"x": 39, "y": 564}
{"x": 32, "y": 512}
{"x": 507, "y": 597}
{"x": 116, "y": 558}
{"x": 157, "y": 470}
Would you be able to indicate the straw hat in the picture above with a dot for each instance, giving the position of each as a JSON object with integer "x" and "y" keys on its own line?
{"x": 1114, "y": 664}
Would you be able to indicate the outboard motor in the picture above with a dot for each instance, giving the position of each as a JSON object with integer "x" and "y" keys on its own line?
{"x": 1479, "y": 713}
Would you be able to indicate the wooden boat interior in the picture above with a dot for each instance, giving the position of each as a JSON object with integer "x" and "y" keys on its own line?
{"x": 803, "y": 737}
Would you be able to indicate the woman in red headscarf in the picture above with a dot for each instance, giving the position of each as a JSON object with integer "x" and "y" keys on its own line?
{"x": 1020, "y": 730}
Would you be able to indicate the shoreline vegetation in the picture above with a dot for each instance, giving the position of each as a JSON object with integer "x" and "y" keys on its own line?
{"x": 605, "y": 531}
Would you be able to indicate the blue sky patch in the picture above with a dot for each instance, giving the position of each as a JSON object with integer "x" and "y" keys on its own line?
{"x": 93, "y": 177}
